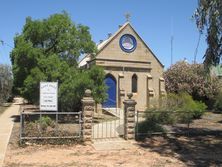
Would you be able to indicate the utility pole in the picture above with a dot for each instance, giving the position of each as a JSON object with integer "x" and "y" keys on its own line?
{"x": 196, "y": 50}
{"x": 171, "y": 41}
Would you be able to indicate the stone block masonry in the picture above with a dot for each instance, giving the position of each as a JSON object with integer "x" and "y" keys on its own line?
{"x": 88, "y": 107}
{"x": 129, "y": 118}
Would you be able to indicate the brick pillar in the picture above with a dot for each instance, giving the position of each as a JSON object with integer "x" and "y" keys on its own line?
{"x": 129, "y": 118}
{"x": 88, "y": 107}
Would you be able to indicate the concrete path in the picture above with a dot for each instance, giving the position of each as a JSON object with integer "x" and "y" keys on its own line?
{"x": 113, "y": 144}
{"x": 6, "y": 125}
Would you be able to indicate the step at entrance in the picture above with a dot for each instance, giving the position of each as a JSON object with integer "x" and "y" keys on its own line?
{"x": 114, "y": 111}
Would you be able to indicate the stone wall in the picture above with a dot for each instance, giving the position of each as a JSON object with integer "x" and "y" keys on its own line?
{"x": 88, "y": 108}
{"x": 129, "y": 118}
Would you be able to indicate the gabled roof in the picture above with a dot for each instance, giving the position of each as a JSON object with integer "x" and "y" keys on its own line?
{"x": 106, "y": 42}
{"x": 102, "y": 45}
{"x": 84, "y": 60}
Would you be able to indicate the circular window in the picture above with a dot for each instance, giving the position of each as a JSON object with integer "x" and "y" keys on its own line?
{"x": 127, "y": 43}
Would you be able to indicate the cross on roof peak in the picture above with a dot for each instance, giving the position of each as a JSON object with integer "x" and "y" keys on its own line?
{"x": 128, "y": 16}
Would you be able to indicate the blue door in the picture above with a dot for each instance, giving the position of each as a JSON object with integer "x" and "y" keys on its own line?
{"x": 111, "y": 92}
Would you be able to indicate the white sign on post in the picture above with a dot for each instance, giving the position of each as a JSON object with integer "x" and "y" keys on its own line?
{"x": 48, "y": 96}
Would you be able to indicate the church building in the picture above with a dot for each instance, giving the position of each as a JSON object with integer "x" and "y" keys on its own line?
{"x": 130, "y": 67}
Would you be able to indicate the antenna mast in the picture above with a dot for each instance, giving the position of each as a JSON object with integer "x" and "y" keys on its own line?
{"x": 196, "y": 50}
{"x": 171, "y": 41}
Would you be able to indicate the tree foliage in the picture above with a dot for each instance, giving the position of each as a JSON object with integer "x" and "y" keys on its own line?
{"x": 208, "y": 16}
{"x": 218, "y": 102}
{"x": 48, "y": 50}
{"x": 73, "y": 87}
{"x": 6, "y": 81}
{"x": 183, "y": 102}
{"x": 192, "y": 78}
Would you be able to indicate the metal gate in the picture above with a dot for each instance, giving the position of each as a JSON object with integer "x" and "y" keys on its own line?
{"x": 109, "y": 124}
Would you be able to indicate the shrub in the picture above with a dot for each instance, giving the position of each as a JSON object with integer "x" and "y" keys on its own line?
{"x": 149, "y": 126}
{"x": 183, "y": 102}
{"x": 187, "y": 104}
{"x": 218, "y": 102}
{"x": 192, "y": 79}
{"x": 45, "y": 122}
{"x": 158, "y": 116}
{"x": 199, "y": 109}
{"x": 176, "y": 108}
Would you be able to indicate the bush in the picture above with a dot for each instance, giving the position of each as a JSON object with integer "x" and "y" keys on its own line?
{"x": 45, "y": 122}
{"x": 183, "y": 102}
{"x": 149, "y": 126}
{"x": 187, "y": 104}
{"x": 176, "y": 108}
{"x": 218, "y": 102}
{"x": 199, "y": 109}
{"x": 160, "y": 117}
{"x": 194, "y": 80}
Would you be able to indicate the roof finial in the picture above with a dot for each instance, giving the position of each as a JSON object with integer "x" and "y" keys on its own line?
{"x": 127, "y": 15}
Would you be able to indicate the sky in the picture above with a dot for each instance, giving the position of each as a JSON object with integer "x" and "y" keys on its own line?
{"x": 156, "y": 21}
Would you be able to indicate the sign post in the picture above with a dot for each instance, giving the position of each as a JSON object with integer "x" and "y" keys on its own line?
{"x": 48, "y": 96}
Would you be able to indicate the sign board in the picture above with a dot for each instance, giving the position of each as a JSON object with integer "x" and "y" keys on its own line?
{"x": 48, "y": 96}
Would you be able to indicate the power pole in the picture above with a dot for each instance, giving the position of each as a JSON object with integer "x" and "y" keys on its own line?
{"x": 196, "y": 49}
{"x": 171, "y": 41}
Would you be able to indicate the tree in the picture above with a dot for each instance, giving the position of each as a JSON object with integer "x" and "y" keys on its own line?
{"x": 73, "y": 87}
{"x": 192, "y": 78}
{"x": 48, "y": 50}
{"x": 5, "y": 82}
{"x": 208, "y": 16}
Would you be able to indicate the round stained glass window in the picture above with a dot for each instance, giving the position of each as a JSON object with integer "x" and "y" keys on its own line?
{"x": 128, "y": 43}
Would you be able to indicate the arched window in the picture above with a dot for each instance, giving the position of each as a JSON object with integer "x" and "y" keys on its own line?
{"x": 134, "y": 83}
